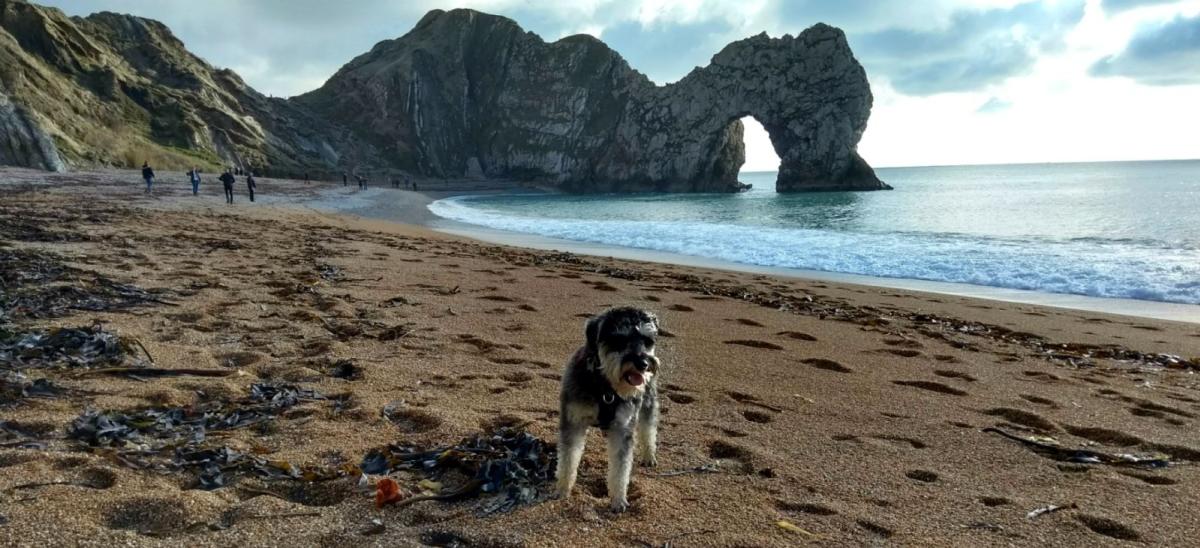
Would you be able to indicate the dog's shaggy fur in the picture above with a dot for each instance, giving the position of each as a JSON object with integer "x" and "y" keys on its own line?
{"x": 610, "y": 383}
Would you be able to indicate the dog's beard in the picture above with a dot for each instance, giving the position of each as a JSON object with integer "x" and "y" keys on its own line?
{"x": 622, "y": 375}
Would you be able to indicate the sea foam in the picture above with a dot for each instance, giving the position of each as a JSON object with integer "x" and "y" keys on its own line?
{"x": 1145, "y": 270}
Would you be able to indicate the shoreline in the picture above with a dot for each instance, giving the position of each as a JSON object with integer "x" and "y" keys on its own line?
{"x": 411, "y": 208}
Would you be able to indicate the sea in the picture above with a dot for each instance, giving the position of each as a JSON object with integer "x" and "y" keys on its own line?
{"x": 1119, "y": 230}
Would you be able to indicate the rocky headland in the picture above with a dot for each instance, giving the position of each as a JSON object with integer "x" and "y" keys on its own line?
{"x": 463, "y": 95}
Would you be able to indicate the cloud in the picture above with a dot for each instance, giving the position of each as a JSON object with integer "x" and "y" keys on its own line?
{"x": 1117, "y": 6}
{"x": 974, "y": 50}
{"x": 666, "y": 52}
{"x": 994, "y": 104}
{"x": 1167, "y": 54}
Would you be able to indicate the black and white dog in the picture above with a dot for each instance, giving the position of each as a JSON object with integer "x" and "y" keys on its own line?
{"x": 610, "y": 383}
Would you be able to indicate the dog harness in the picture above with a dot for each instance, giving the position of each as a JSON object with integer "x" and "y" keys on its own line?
{"x": 610, "y": 402}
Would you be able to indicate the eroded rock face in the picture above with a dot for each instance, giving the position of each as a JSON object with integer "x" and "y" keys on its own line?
{"x": 22, "y": 141}
{"x": 464, "y": 94}
{"x": 117, "y": 90}
{"x": 465, "y": 89}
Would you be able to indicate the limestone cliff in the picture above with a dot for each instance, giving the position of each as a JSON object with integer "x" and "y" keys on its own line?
{"x": 464, "y": 94}
{"x": 468, "y": 92}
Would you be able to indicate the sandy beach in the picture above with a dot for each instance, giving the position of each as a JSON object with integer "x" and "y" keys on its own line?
{"x": 795, "y": 411}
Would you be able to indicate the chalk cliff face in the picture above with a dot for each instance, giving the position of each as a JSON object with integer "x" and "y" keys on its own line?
{"x": 464, "y": 94}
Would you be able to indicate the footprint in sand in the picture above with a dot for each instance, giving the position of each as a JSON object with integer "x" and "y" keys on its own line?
{"x": 932, "y": 387}
{"x": 148, "y": 515}
{"x": 946, "y": 359}
{"x": 681, "y": 398}
{"x": 815, "y": 509}
{"x": 796, "y": 335}
{"x": 752, "y": 343}
{"x": 1149, "y": 478}
{"x": 875, "y": 528}
{"x": 1043, "y": 376}
{"x": 1022, "y": 418}
{"x": 1108, "y": 527}
{"x": 749, "y": 322}
{"x": 901, "y": 441}
{"x": 950, "y": 374}
{"x": 921, "y": 475}
{"x": 736, "y": 454}
{"x": 1039, "y": 400}
{"x": 498, "y": 298}
{"x": 1104, "y": 435}
{"x": 757, "y": 416}
{"x": 993, "y": 502}
{"x": 827, "y": 365}
{"x": 681, "y": 308}
{"x": 902, "y": 352}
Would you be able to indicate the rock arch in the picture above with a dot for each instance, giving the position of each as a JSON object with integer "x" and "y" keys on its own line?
{"x": 466, "y": 89}
{"x": 808, "y": 92}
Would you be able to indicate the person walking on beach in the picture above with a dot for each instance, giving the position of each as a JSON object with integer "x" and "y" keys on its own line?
{"x": 250, "y": 184}
{"x": 362, "y": 182}
{"x": 228, "y": 180}
{"x": 345, "y": 179}
{"x": 194, "y": 178}
{"x": 148, "y": 175}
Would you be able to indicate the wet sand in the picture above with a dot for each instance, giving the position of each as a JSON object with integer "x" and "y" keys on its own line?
{"x": 853, "y": 414}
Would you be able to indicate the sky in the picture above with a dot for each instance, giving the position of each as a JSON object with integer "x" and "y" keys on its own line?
{"x": 955, "y": 81}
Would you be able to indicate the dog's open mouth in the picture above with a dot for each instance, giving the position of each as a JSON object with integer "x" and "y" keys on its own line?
{"x": 633, "y": 378}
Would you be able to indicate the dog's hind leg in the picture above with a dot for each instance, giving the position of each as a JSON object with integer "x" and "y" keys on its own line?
{"x": 620, "y": 466}
{"x": 647, "y": 431}
{"x": 571, "y": 438}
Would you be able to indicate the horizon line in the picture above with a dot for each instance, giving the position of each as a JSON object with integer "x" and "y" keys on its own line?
{"x": 990, "y": 164}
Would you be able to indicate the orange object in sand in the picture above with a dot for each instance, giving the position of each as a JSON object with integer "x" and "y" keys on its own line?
{"x": 387, "y": 491}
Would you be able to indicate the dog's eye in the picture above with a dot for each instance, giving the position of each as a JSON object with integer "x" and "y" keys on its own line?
{"x": 617, "y": 341}
{"x": 648, "y": 342}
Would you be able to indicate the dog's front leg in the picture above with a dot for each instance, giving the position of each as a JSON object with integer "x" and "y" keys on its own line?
{"x": 571, "y": 438}
{"x": 647, "y": 431}
{"x": 620, "y": 465}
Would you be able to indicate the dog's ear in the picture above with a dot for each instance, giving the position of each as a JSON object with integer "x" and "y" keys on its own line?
{"x": 591, "y": 333}
{"x": 653, "y": 319}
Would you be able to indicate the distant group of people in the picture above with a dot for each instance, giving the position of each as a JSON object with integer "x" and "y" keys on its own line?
{"x": 228, "y": 179}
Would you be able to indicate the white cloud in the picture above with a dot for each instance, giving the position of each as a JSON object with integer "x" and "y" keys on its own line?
{"x": 1055, "y": 110}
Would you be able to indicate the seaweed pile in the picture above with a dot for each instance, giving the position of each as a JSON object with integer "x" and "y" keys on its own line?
{"x": 64, "y": 347}
{"x": 508, "y": 464}
{"x": 174, "y": 438}
{"x": 38, "y": 284}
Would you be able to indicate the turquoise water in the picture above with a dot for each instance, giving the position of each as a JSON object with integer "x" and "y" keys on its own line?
{"x": 1127, "y": 230}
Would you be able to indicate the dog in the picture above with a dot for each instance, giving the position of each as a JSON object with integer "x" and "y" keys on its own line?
{"x": 610, "y": 383}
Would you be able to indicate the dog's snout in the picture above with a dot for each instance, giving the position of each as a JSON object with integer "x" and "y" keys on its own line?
{"x": 640, "y": 361}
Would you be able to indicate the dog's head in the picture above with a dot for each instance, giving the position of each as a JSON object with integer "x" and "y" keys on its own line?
{"x": 623, "y": 339}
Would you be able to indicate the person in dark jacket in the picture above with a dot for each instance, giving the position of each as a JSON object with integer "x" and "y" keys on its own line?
{"x": 148, "y": 175}
{"x": 194, "y": 178}
{"x": 250, "y": 184}
{"x": 228, "y": 180}
{"x": 345, "y": 179}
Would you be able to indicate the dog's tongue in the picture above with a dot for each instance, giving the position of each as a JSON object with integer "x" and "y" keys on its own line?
{"x": 634, "y": 378}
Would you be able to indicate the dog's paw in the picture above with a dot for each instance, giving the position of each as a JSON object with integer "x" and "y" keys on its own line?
{"x": 648, "y": 461}
{"x": 618, "y": 505}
